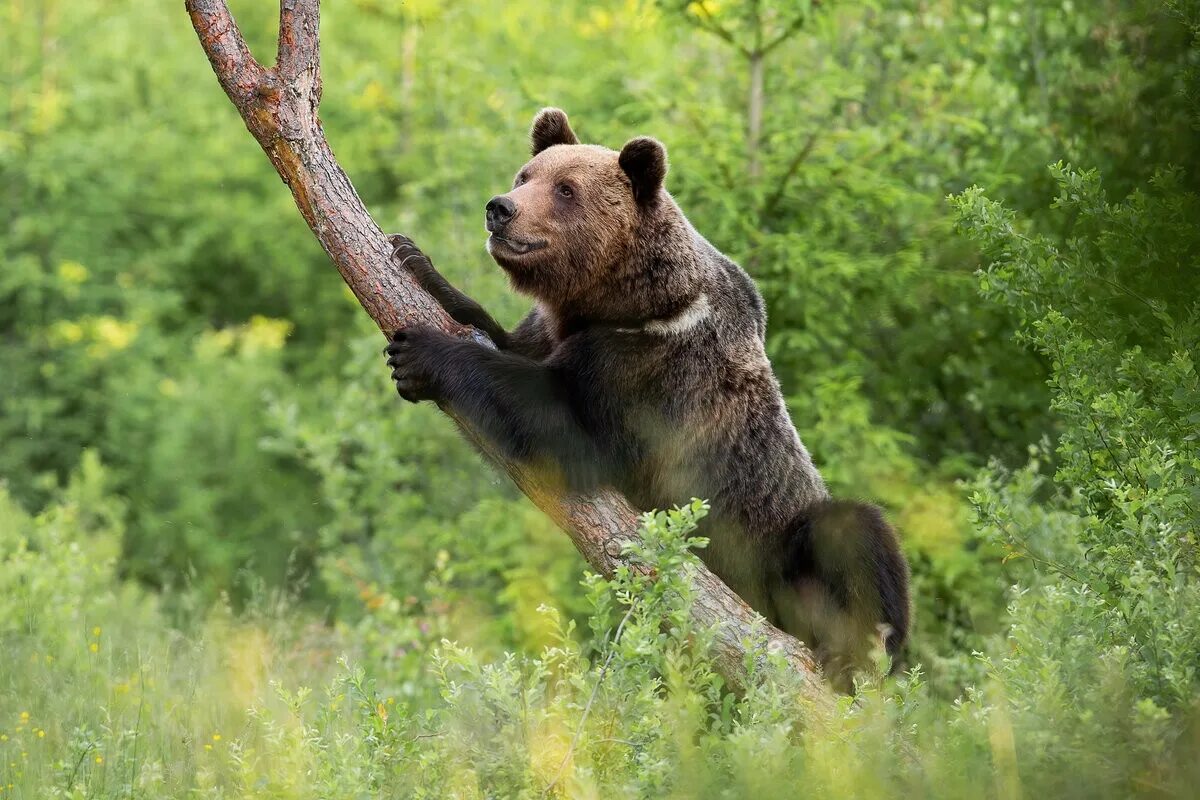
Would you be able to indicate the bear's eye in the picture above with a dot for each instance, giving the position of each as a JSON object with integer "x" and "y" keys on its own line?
{"x": 520, "y": 179}
{"x": 565, "y": 190}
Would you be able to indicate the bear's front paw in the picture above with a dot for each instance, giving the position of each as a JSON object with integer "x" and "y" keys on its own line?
{"x": 410, "y": 257}
{"x": 406, "y": 251}
{"x": 415, "y": 355}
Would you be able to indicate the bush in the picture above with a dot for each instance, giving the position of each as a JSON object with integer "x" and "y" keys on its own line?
{"x": 1109, "y": 604}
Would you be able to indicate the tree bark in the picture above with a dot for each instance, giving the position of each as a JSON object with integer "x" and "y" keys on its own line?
{"x": 280, "y": 108}
{"x": 756, "y": 98}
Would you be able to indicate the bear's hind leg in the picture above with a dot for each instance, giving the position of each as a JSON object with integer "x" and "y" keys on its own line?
{"x": 844, "y": 587}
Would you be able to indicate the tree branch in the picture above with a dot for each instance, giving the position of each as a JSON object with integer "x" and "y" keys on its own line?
{"x": 792, "y": 168}
{"x": 279, "y": 107}
{"x": 705, "y": 21}
{"x": 795, "y": 25}
{"x": 299, "y": 44}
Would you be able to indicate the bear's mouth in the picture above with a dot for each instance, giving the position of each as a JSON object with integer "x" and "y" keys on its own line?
{"x": 516, "y": 246}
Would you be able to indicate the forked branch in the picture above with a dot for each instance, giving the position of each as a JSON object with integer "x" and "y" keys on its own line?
{"x": 279, "y": 106}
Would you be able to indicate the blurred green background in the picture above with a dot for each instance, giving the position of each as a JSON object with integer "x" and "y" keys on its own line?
{"x": 209, "y": 490}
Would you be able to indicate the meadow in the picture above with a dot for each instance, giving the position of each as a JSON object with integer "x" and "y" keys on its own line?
{"x": 234, "y": 564}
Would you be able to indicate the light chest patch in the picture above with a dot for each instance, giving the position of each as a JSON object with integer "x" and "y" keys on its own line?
{"x": 692, "y": 315}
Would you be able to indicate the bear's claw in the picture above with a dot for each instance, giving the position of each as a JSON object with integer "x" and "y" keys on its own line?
{"x": 403, "y": 248}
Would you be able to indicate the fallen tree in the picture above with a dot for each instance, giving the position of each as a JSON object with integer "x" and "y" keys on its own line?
{"x": 280, "y": 105}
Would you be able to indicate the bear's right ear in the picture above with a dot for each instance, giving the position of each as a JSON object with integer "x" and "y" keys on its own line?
{"x": 550, "y": 127}
{"x": 644, "y": 160}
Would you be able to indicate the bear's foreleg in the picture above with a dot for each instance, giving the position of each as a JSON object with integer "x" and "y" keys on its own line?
{"x": 520, "y": 405}
{"x": 459, "y": 306}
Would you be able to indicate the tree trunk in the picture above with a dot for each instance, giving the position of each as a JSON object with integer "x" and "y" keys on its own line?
{"x": 754, "y": 115}
{"x": 279, "y": 106}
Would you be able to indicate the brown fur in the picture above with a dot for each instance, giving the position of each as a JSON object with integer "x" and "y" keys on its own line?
{"x": 643, "y": 367}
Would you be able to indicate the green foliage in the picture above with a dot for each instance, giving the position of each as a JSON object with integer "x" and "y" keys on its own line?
{"x": 113, "y": 703}
{"x": 209, "y": 492}
{"x": 1113, "y": 308}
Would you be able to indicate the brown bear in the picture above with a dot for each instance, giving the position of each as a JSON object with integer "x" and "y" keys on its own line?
{"x": 642, "y": 367}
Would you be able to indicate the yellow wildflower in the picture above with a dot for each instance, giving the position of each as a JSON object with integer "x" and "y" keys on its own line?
{"x": 24, "y": 716}
{"x": 373, "y": 98}
{"x": 95, "y": 648}
{"x": 113, "y": 334}
{"x": 216, "y": 737}
{"x": 41, "y": 734}
{"x": 264, "y": 334}
{"x": 66, "y": 331}
{"x": 215, "y": 343}
{"x": 99, "y": 759}
{"x": 96, "y": 631}
{"x": 72, "y": 272}
{"x": 705, "y": 8}
{"x": 49, "y": 107}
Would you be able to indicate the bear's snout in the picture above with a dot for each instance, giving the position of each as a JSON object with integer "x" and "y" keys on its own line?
{"x": 499, "y": 212}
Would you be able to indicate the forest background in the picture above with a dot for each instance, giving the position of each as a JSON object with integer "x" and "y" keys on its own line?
{"x": 234, "y": 564}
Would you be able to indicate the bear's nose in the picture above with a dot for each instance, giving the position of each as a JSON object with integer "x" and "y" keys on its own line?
{"x": 499, "y": 211}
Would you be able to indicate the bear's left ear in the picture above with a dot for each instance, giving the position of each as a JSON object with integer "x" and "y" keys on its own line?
{"x": 550, "y": 127}
{"x": 644, "y": 160}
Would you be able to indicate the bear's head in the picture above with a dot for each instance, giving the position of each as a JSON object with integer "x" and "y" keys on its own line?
{"x": 579, "y": 217}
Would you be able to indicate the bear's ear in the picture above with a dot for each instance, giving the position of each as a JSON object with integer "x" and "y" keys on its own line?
{"x": 644, "y": 160}
{"x": 550, "y": 127}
